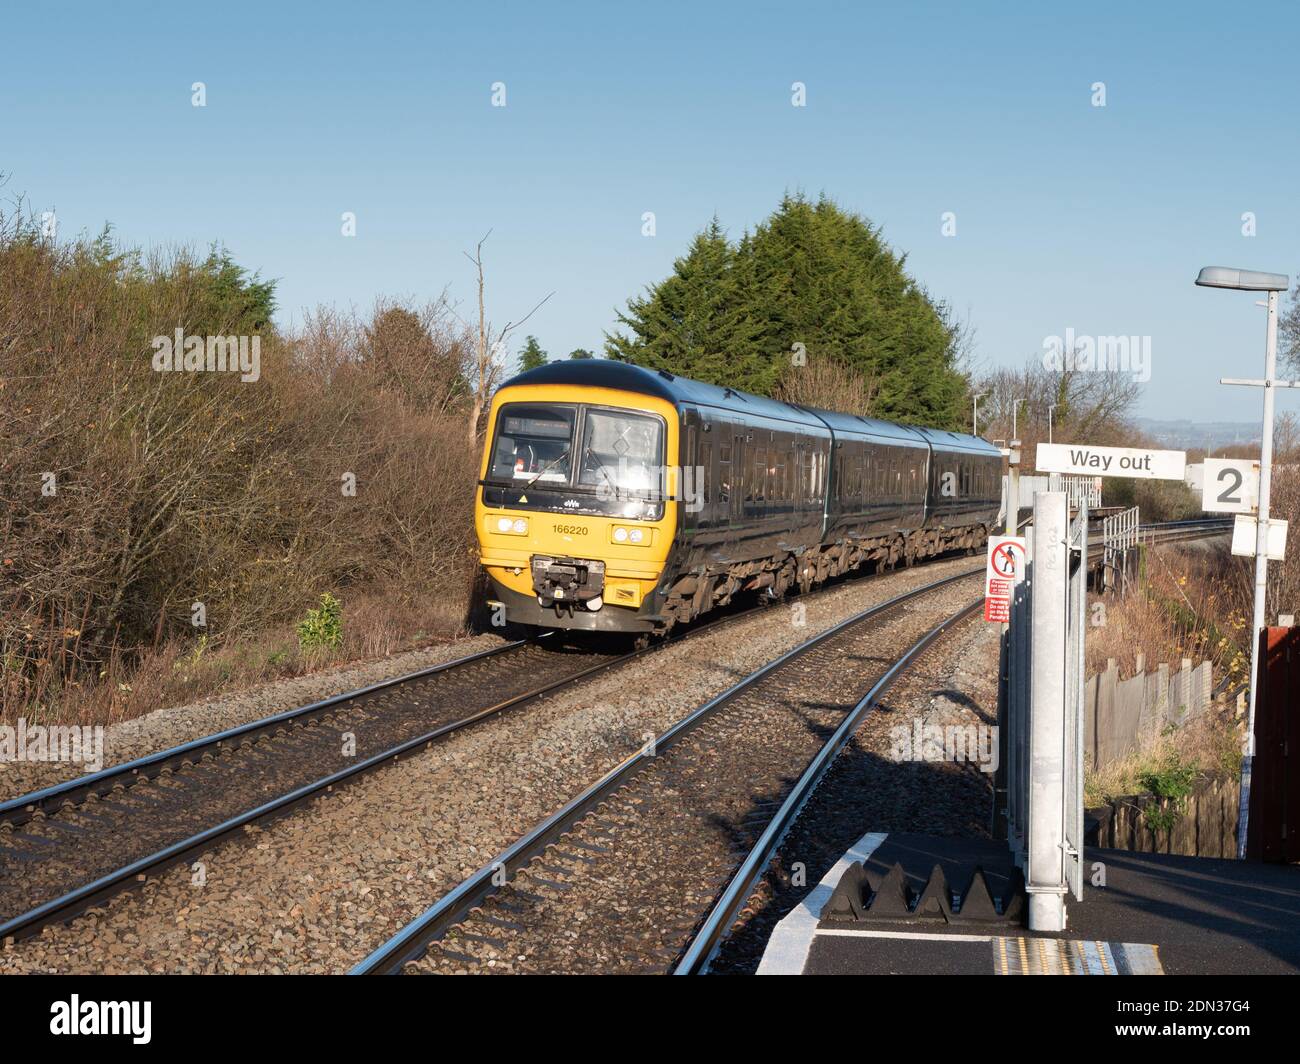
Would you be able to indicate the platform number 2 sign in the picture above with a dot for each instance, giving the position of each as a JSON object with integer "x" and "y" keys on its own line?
{"x": 1231, "y": 486}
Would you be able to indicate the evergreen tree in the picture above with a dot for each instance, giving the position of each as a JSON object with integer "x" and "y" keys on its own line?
{"x": 697, "y": 322}
{"x": 532, "y": 355}
{"x": 811, "y": 275}
{"x": 580, "y": 352}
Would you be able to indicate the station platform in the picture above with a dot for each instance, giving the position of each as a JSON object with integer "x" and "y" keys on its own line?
{"x": 912, "y": 905}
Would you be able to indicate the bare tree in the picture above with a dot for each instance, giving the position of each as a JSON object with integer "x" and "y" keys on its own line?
{"x": 829, "y": 384}
{"x": 1085, "y": 406}
{"x": 487, "y": 366}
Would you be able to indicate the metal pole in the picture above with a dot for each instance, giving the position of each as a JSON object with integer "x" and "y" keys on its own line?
{"x": 1045, "y": 878}
{"x": 1012, "y": 524}
{"x": 1050, "y": 408}
{"x": 1261, "y": 567}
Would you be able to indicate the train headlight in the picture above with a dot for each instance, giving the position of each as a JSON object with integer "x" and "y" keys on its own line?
{"x": 639, "y": 536}
{"x": 503, "y": 524}
{"x": 509, "y": 526}
{"x": 520, "y": 526}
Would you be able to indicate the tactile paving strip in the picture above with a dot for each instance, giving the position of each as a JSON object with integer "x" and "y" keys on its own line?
{"x": 1057, "y": 956}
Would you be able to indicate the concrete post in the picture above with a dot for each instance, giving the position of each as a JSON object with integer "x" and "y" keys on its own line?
{"x": 1046, "y": 875}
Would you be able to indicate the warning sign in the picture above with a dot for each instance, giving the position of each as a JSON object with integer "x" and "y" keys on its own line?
{"x": 1005, "y": 569}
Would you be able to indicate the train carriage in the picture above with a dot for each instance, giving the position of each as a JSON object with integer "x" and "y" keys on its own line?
{"x": 616, "y": 498}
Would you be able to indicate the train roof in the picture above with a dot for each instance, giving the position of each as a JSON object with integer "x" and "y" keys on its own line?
{"x": 624, "y": 376}
{"x": 857, "y": 425}
{"x": 678, "y": 390}
{"x": 943, "y": 440}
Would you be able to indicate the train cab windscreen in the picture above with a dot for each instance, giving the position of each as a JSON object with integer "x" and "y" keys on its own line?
{"x": 618, "y": 452}
{"x": 534, "y": 442}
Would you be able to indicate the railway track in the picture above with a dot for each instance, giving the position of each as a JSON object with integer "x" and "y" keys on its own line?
{"x": 628, "y": 867}
{"x": 72, "y": 846}
{"x": 489, "y": 924}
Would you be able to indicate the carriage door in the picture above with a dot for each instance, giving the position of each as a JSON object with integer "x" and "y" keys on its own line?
{"x": 740, "y": 482}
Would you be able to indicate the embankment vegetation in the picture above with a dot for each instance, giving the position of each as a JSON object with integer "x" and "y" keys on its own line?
{"x": 162, "y": 532}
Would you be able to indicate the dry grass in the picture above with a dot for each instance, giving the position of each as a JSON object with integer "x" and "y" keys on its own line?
{"x": 1188, "y": 604}
{"x": 1183, "y": 608}
{"x": 1210, "y": 745}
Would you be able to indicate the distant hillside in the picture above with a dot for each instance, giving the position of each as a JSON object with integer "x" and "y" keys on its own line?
{"x": 1211, "y": 435}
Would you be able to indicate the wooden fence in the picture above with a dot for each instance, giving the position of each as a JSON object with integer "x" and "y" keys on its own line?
{"x": 1206, "y": 826}
{"x": 1119, "y": 712}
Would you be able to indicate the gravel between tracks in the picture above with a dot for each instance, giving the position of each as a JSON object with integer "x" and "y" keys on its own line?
{"x": 622, "y": 891}
{"x": 320, "y": 888}
{"x": 867, "y": 790}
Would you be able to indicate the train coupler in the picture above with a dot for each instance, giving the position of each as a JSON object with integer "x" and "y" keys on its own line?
{"x": 571, "y": 581}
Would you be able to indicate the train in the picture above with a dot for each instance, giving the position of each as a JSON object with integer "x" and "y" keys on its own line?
{"x": 616, "y": 498}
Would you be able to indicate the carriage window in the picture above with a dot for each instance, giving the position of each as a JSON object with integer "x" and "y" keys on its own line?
{"x": 533, "y": 441}
{"x": 724, "y": 471}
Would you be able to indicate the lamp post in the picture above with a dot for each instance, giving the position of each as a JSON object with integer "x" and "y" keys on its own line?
{"x": 975, "y": 418}
{"x": 1050, "y": 408}
{"x": 1272, "y": 283}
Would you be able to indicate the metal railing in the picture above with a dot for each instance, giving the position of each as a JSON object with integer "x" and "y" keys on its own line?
{"x": 1120, "y": 533}
{"x": 1079, "y": 490}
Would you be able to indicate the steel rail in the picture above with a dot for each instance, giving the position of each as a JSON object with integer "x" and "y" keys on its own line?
{"x": 715, "y": 927}
{"x": 70, "y": 904}
{"x": 411, "y": 940}
{"x": 712, "y": 932}
{"x": 19, "y": 810}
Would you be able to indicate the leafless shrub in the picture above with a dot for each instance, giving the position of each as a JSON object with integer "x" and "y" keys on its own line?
{"x": 830, "y": 385}
{"x": 128, "y": 496}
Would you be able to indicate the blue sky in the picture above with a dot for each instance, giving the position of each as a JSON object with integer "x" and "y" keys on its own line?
{"x": 1068, "y": 215}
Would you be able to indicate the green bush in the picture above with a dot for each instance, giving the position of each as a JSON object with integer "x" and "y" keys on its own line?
{"x": 1173, "y": 781}
{"x": 323, "y": 626}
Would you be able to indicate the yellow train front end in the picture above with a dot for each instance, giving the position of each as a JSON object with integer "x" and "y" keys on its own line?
{"x": 575, "y": 513}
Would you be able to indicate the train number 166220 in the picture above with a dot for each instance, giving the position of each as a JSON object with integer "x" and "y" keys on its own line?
{"x": 570, "y": 530}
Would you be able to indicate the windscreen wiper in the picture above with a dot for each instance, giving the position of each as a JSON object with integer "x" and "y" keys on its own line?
{"x": 546, "y": 468}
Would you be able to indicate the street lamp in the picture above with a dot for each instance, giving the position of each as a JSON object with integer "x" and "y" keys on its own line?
{"x": 1272, "y": 283}
{"x": 975, "y": 420}
{"x": 1050, "y": 408}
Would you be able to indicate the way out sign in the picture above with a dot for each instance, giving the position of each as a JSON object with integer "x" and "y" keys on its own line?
{"x": 1003, "y": 570}
{"x": 1140, "y": 462}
